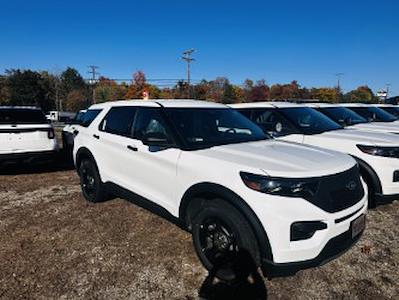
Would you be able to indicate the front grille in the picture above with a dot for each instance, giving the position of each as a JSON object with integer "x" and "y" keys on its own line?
{"x": 339, "y": 191}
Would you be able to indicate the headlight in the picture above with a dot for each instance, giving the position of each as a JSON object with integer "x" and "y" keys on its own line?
{"x": 289, "y": 187}
{"x": 380, "y": 151}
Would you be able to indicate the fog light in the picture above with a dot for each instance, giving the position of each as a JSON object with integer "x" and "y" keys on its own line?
{"x": 396, "y": 176}
{"x": 306, "y": 229}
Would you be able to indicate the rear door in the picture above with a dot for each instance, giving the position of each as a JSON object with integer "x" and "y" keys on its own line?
{"x": 111, "y": 152}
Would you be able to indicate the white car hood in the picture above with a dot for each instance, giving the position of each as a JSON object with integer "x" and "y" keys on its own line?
{"x": 282, "y": 159}
{"x": 376, "y": 126}
{"x": 356, "y": 137}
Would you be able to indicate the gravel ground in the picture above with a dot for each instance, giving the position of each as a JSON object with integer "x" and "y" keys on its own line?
{"x": 53, "y": 244}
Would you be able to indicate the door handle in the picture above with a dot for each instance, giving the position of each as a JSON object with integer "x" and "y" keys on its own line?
{"x": 133, "y": 148}
{"x": 96, "y": 136}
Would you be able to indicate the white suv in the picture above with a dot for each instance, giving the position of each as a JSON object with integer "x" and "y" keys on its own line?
{"x": 389, "y": 108}
{"x": 25, "y": 135}
{"x": 241, "y": 193}
{"x": 349, "y": 118}
{"x": 71, "y": 129}
{"x": 377, "y": 153}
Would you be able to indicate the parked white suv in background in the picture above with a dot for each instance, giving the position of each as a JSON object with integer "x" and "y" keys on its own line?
{"x": 377, "y": 153}
{"x": 389, "y": 108}
{"x": 372, "y": 113}
{"x": 71, "y": 129}
{"x": 349, "y": 118}
{"x": 241, "y": 193}
{"x": 25, "y": 135}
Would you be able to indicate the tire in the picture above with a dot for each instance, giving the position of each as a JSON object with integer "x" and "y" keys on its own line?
{"x": 64, "y": 142}
{"x": 224, "y": 241}
{"x": 90, "y": 182}
{"x": 372, "y": 203}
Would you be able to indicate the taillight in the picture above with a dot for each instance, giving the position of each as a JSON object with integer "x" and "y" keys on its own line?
{"x": 51, "y": 134}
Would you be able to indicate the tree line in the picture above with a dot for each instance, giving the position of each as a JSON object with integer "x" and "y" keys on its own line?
{"x": 70, "y": 91}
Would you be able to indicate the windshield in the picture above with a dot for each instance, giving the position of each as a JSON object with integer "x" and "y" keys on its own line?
{"x": 89, "y": 117}
{"x": 79, "y": 117}
{"x": 22, "y": 116}
{"x": 309, "y": 121}
{"x": 392, "y": 110}
{"x": 374, "y": 114}
{"x": 342, "y": 115}
{"x": 208, "y": 127}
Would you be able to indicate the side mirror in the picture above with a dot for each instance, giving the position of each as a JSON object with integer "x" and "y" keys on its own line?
{"x": 156, "y": 139}
{"x": 345, "y": 122}
{"x": 268, "y": 128}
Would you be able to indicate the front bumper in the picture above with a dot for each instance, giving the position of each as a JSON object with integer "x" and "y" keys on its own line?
{"x": 334, "y": 248}
{"x": 277, "y": 214}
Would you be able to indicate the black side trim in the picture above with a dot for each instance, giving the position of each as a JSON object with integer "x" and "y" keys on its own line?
{"x": 145, "y": 203}
{"x": 383, "y": 199}
{"x": 212, "y": 189}
{"x": 334, "y": 248}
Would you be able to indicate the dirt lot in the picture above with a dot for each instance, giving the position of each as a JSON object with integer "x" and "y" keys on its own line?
{"x": 53, "y": 244}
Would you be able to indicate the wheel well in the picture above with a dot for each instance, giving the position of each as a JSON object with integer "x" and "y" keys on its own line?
{"x": 83, "y": 153}
{"x": 206, "y": 192}
{"x": 370, "y": 175}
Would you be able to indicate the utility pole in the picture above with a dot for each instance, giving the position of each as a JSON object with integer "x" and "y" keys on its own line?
{"x": 58, "y": 104}
{"x": 93, "y": 80}
{"x": 187, "y": 57}
{"x": 339, "y": 75}
{"x": 387, "y": 90}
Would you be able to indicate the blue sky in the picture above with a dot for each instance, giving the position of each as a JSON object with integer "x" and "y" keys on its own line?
{"x": 279, "y": 41}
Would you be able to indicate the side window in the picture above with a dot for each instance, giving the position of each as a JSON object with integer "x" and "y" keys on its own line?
{"x": 119, "y": 120}
{"x": 245, "y": 112}
{"x": 150, "y": 121}
{"x": 273, "y": 123}
{"x": 89, "y": 117}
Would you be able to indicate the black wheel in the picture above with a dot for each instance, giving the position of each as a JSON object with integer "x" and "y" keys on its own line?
{"x": 222, "y": 238}
{"x": 90, "y": 182}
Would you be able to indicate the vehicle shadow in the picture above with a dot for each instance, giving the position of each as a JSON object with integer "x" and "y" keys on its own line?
{"x": 60, "y": 161}
{"x": 248, "y": 283}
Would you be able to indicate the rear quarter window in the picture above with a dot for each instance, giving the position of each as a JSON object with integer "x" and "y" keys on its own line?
{"x": 89, "y": 117}
{"x": 245, "y": 112}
